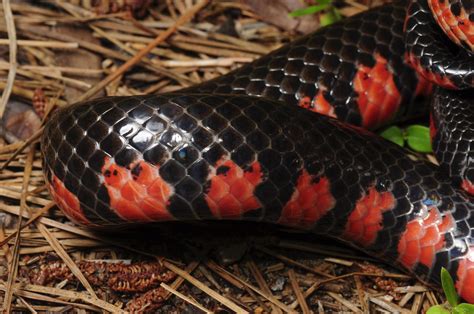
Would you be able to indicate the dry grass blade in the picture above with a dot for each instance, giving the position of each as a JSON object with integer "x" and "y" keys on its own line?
{"x": 362, "y": 275}
{"x": 73, "y": 229}
{"x": 391, "y": 307}
{"x": 16, "y": 249}
{"x": 262, "y": 284}
{"x": 270, "y": 298}
{"x": 12, "y": 273}
{"x": 39, "y": 43}
{"x": 69, "y": 295}
{"x": 65, "y": 257}
{"x": 28, "y": 306}
{"x": 297, "y": 290}
{"x": 42, "y": 31}
{"x": 136, "y": 58}
{"x": 5, "y": 248}
{"x": 293, "y": 262}
{"x": 12, "y": 41}
{"x": 179, "y": 280}
{"x": 185, "y": 298}
{"x": 46, "y": 69}
{"x": 22, "y": 147}
{"x": 345, "y": 302}
{"x": 45, "y": 298}
{"x": 33, "y": 218}
{"x": 10, "y": 147}
{"x": 228, "y": 303}
{"x": 361, "y": 293}
{"x": 418, "y": 302}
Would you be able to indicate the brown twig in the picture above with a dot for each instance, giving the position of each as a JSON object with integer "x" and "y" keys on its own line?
{"x": 7, "y": 13}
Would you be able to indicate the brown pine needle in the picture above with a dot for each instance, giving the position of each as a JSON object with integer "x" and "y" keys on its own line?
{"x": 262, "y": 283}
{"x": 27, "y": 305}
{"x": 344, "y": 302}
{"x": 33, "y": 218}
{"x": 228, "y": 303}
{"x": 7, "y": 303}
{"x": 185, "y": 298}
{"x": 20, "y": 149}
{"x": 65, "y": 257}
{"x": 183, "y": 19}
{"x": 180, "y": 280}
{"x": 66, "y": 294}
{"x": 7, "y": 13}
{"x": 40, "y": 297}
{"x": 268, "y": 297}
{"x": 299, "y": 295}
{"x": 292, "y": 262}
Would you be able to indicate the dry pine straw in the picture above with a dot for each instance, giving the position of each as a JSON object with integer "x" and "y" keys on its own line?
{"x": 48, "y": 264}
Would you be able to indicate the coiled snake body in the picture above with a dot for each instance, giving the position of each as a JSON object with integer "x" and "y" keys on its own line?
{"x": 241, "y": 147}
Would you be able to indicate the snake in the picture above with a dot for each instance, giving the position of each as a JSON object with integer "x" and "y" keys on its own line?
{"x": 288, "y": 139}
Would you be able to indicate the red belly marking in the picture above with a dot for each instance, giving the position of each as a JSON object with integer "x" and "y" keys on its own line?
{"x": 378, "y": 96}
{"x": 231, "y": 192}
{"x": 311, "y": 200}
{"x": 319, "y": 104}
{"x": 366, "y": 220}
{"x": 137, "y": 193}
{"x": 465, "y": 275}
{"x": 458, "y": 28}
{"x": 67, "y": 201}
{"x": 468, "y": 186}
{"x": 423, "y": 237}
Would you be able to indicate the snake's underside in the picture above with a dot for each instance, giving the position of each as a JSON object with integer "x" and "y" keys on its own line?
{"x": 244, "y": 146}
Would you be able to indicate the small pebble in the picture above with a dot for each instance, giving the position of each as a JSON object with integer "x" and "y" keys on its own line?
{"x": 278, "y": 284}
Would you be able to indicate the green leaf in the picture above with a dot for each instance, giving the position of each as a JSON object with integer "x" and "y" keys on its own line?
{"x": 418, "y": 138}
{"x": 331, "y": 17}
{"x": 437, "y": 309}
{"x": 309, "y": 10}
{"x": 448, "y": 288}
{"x": 323, "y": 1}
{"x": 393, "y": 134}
{"x": 463, "y": 308}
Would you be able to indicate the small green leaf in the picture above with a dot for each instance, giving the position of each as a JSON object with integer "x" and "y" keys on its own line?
{"x": 448, "y": 288}
{"x": 418, "y": 138}
{"x": 463, "y": 308}
{"x": 393, "y": 134}
{"x": 437, "y": 309}
{"x": 331, "y": 17}
{"x": 309, "y": 10}
{"x": 323, "y": 1}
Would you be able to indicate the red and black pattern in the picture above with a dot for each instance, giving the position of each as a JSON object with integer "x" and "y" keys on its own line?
{"x": 208, "y": 153}
{"x": 434, "y": 56}
{"x": 452, "y": 67}
{"x": 455, "y": 18}
{"x": 354, "y": 70}
{"x": 155, "y": 158}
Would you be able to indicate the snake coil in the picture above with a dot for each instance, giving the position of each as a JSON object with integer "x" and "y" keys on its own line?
{"x": 245, "y": 146}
